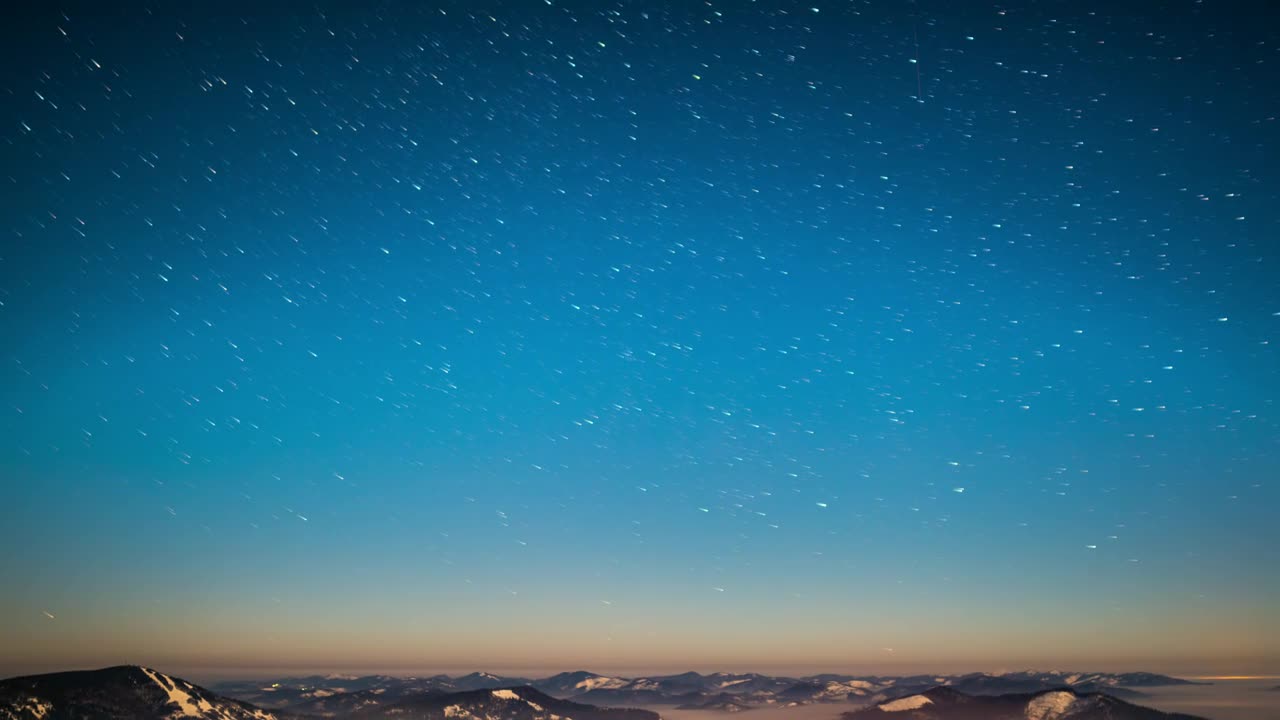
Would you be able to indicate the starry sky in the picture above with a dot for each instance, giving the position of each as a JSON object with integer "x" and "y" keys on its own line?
{"x": 633, "y": 335}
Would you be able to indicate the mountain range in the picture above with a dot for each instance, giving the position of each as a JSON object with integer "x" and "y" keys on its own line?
{"x": 731, "y": 692}
{"x": 943, "y": 703}
{"x": 139, "y": 693}
{"x": 130, "y": 692}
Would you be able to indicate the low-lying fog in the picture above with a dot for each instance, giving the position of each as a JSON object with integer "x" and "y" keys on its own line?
{"x": 1223, "y": 700}
{"x": 829, "y": 711}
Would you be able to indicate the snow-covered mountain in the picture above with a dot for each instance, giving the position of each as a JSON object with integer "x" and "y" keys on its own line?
{"x": 285, "y": 692}
{"x": 688, "y": 689}
{"x": 1004, "y": 684}
{"x": 515, "y": 703}
{"x": 484, "y": 704}
{"x": 568, "y": 684}
{"x": 694, "y": 689}
{"x": 315, "y": 690}
{"x": 326, "y": 695}
{"x": 139, "y": 693}
{"x": 1077, "y": 680}
{"x": 125, "y": 692}
{"x": 130, "y": 692}
{"x": 831, "y": 690}
{"x": 942, "y": 703}
{"x": 340, "y": 705}
{"x": 483, "y": 680}
{"x": 744, "y": 683}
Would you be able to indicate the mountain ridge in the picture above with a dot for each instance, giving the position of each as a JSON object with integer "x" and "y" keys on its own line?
{"x": 134, "y": 692}
{"x": 690, "y": 689}
{"x": 120, "y": 692}
{"x": 944, "y": 703}
{"x": 131, "y": 692}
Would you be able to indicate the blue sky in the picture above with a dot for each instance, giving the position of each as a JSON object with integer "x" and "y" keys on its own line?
{"x": 639, "y": 336}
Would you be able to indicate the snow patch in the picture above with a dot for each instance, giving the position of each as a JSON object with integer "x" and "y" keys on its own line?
{"x": 509, "y": 695}
{"x": 1050, "y": 706}
{"x": 836, "y": 690}
{"x": 644, "y": 685}
{"x": 914, "y": 702}
{"x": 863, "y": 684}
{"x": 593, "y": 683}
{"x": 190, "y": 707}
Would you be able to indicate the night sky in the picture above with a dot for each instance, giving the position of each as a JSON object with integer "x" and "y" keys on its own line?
{"x": 637, "y": 335}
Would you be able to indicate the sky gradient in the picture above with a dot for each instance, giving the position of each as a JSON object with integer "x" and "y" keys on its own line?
{"x": 640, "y": 336}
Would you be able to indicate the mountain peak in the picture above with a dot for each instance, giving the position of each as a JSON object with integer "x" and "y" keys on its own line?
{"x": 910, "y": 702}
{"x": 1052, "y": 704}
{"x": 120, "y": 692}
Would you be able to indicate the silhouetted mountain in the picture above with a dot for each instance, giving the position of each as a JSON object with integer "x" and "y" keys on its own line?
{"x": 944, "y": 703}
{"x": 515, "y": 703}
{"x": 125, "y": 692}
{"x": 747, "y": 683}
{"x": 484, "y": 680}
